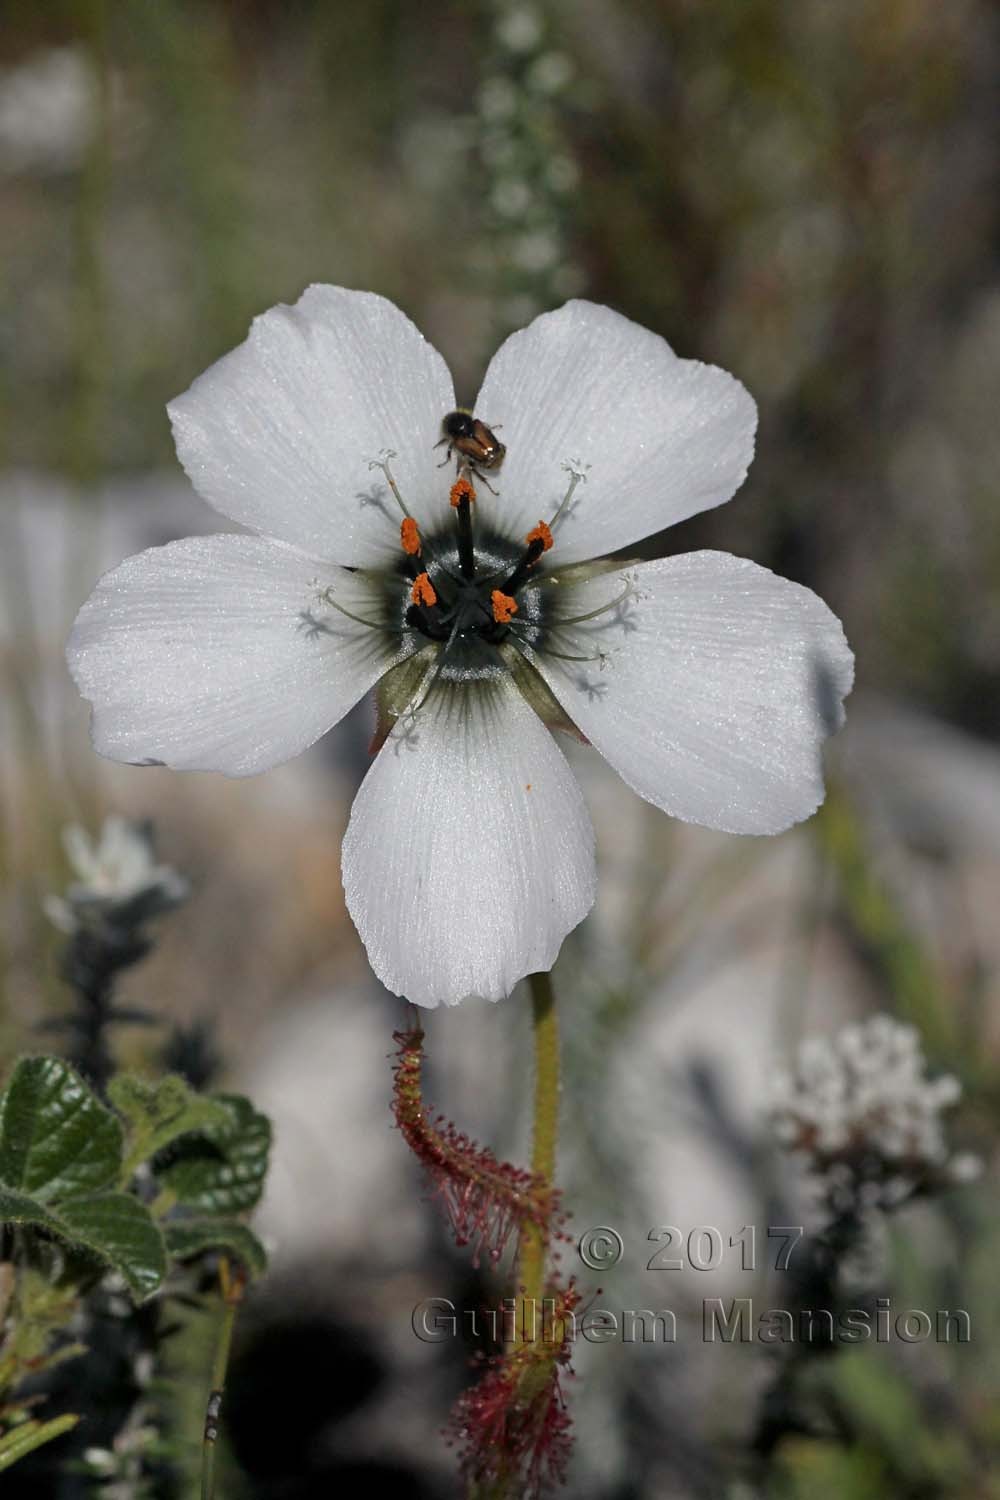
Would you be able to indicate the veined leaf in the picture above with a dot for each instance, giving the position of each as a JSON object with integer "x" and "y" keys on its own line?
{"x": 221, "y": 1169}
{"x": 158, "y": 1113}
{"x": 189, "y": 1237}
{"x": 56, "y": 1137}
{"x": 115, "y": 1227}
{"x": 21, "y": 1208}
{"x": 120, "y": 1229}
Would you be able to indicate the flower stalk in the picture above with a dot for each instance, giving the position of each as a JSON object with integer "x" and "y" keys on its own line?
{"x": 535, "y": 1234}
{"x": 512, "y": 1427}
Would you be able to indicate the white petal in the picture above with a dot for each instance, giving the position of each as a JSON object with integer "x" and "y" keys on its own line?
{"x": 720, "y": 684}
{"x": 469, "y": 855}
{"x": 213, "y": 654}
{"x": 279, "y": 433}
{"x": 664, "y": 437}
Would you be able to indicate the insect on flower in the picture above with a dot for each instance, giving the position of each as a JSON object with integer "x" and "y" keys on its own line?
{"x": 479, "y": 446}
{"x": 483, "y": 621}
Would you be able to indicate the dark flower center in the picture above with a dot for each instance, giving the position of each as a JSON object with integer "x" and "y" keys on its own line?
{"x": 467, "y": 598}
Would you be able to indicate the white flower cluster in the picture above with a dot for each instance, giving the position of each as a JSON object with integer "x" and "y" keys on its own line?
{"x": 861, "y": 1111}
{"x": 118, "y": 877}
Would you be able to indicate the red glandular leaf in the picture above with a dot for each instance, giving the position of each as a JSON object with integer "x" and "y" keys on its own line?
{"x": 485, "y": 1200}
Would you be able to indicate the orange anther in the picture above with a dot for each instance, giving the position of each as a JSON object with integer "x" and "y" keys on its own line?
{"x": 540, "y": 533}
{"x": 422, "y": 591}
{"x": 503, "y": 606}
{"x": 409, "y": 535}
{"x": 461, "y": 490}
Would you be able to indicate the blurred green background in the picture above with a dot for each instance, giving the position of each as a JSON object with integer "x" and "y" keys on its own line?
{"x": 802, "y": 192}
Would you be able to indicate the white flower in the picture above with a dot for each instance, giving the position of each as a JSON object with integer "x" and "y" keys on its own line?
{"x": 706, "y": 681}
{"x": 117, "y": 874}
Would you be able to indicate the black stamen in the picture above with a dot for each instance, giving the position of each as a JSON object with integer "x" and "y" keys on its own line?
{"x": 427, "y": 619}
{"x": 466, "y": 549}
{"x": 532, "y": 553}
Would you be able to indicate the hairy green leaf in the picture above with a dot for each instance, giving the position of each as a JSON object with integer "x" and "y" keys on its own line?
{"x": 115, "y": 1227}
{"x": 56, "y": 1137}
{"x": 190, "y": 1237}
{"x": 21, "y": 1208}
{"x": 121, "y": 1230}
{"x": 221, "y": 1169}
{"x": 158, "y": 1113}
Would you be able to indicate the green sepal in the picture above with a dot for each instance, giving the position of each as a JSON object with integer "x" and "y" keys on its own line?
{"x": 583, "y": 572}
{"x": 539, "y": 696}
{"x": 396, "y": 691}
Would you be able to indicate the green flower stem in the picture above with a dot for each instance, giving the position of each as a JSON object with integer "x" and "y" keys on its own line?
{"x": 531, "y": 1361}
{"x": 534, "y": 1242}
{"x": 233, "y": 1284}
